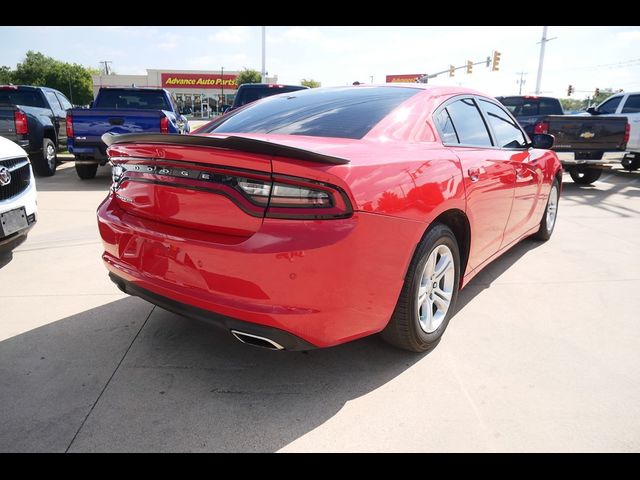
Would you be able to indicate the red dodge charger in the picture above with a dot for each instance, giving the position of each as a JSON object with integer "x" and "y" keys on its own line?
{"x": 317, "y": 217}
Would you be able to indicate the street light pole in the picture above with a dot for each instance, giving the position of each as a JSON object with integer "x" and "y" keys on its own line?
{"x": 542, "y": 42}
{"x": 264, "y": 48}
{"x": 222, "y": 84}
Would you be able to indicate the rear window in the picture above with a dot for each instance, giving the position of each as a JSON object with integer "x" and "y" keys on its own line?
{"x": 333, "y": 112}
{"x": 28, "y": 98}
{"x": 525, "y": 107}
{"x": 251, "y": 94}
{"x": 142, "y": 100}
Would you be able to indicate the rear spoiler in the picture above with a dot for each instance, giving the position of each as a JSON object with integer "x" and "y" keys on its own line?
{"x": 243, "y": 144}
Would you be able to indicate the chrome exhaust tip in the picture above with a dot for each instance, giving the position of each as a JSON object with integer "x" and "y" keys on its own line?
{"x": 256, "y": 341}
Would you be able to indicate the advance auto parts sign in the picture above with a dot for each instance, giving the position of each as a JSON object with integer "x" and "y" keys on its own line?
{"x": 198, "y": 80}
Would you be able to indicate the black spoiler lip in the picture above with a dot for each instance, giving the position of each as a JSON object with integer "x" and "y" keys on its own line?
{"x": 231, "y": 142}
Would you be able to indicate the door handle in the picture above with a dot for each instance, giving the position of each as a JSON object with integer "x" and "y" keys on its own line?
{"x": 474, "y": 174}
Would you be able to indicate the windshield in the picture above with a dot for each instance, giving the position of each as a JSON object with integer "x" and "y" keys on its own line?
{"x": 333, "y": 112}
{"x": 137, "y": 99}
{"x": 523, "y": 107}
{"x": 251, "y": 94}
{"x": 28, "y": 98}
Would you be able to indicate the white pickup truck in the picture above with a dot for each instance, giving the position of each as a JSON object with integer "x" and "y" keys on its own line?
{"x": 627, "y": 104}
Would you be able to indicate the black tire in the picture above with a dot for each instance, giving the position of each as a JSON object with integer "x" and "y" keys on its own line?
{"x": 544, "y": 232}
{"x": 87, "y": 171}
{"x": 585, "y": 176}
{"x": 45, "y": 165}
{"x": 404, "y": 330}
{"x": 631, "y": 164}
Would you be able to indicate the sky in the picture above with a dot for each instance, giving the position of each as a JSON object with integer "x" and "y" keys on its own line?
{"x": 585, "y": 57}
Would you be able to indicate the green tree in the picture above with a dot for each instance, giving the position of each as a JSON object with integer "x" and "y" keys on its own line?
{"x": 72, "y": 79}
{"x": 248, "y": 75}
{"x": 310, "y": 82}
{"x": 6, "y": 75}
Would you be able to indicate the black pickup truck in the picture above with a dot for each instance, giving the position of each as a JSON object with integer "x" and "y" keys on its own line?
{"x": 34, "y": 118}
{"x": 584, "y": 144}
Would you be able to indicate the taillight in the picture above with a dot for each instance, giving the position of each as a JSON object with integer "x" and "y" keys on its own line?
{"x": 22, "y": 126}
{"x": 69, "y": 126}
{"x": 541, "y": 127}
{"x": 627, "y": 131}
{"x": 164, "y": 125}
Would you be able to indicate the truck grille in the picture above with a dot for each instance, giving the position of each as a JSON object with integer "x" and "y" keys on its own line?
{"x": 20, "y": 177}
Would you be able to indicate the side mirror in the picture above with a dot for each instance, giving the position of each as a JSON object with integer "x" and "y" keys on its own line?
{"x": 542, "y": 140}
{"x": 593, "y": 111}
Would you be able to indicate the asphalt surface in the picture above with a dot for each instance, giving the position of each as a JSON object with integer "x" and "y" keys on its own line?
{"x": 543, "y": 354}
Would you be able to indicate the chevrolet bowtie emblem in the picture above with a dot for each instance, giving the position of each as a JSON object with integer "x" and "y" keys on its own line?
{"x": 587, "y": 135}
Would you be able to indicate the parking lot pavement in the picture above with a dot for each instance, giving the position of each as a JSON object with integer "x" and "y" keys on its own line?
{"x": 542, "y": 355}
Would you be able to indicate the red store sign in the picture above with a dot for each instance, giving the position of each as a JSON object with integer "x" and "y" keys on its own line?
{"x": 198, "y": 80}
{"x": 405, "y": 78}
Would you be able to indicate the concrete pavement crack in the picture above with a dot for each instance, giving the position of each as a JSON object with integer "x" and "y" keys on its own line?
{"x": 109, "y": 380}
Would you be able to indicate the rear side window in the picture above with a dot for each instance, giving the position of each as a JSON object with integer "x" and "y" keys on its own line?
{"x": 610, "y": 106}
{"x": 54, "y": 102}
{"x": 468, "y": 123}
{"x": 632, "y": 105}
{"x": 64, "y": 102}
{"x": 507, "y": 133}
{"x": 28, "y": 98}
{"x": 334, "y": 112}
{"x": 142, "y": 99}
{"x": 445, "y": 125}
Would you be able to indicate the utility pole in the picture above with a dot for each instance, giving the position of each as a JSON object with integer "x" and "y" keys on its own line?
{"x": 264, "y": 48}
{"x": 106, "y": 66}
{"x": 542, "y": 43}
{"x": 522, "y": 81}
{"x": 371, "y": 77}
{"x": 222, "y": 84}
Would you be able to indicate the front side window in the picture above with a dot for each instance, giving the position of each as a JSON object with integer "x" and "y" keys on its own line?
{"x": 632, "y": 105}
{"x": 507, "y": 133}
{"x": 468, "y": 123}
{"x": 610, "y": 106}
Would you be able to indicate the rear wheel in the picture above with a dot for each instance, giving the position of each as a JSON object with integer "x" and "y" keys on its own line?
{"x": 46, "y": 164}
{"x": 548, "y": 222}
{"x": 429, "y": 293}
{"x": 585, "y": 176}
{"x": 87, "y": 171}
{"x": 631, "y": 163}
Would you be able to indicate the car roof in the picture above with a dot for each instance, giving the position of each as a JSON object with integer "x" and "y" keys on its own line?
{"x": 271, "y": 85}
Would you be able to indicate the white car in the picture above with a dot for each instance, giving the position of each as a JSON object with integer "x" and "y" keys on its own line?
{"x": 628, "y": 105}
{"x": 18, "y": 206}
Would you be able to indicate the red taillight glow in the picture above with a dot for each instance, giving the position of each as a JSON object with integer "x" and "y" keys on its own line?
{"x": 69, "y": 126}
{"x": 627, "y": 132}
{"x": 22, "y": 126}
{"x": 541, "y": 127}
{"x": 164, "y": 125}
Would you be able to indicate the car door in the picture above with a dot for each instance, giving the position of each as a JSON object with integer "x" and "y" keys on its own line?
{"x": 511, "y": 140}
{"x": 59, "y": 116}
{"x": 631, "y": 110}
{"x": 489, "y": 176}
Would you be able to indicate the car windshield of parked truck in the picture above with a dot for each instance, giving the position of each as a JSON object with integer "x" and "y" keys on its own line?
{"x": 334, "y": 112}
{"x": 137, "y": 99}
{"x": 531, "y": 106}
{"x": 28, "y": 98}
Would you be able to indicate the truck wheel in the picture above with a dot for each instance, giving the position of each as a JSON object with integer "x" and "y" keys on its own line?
{"x": 585, "y": 176}
{"x": 548, "y": 221}
{"x": 87, "y": 171}
{"x": 45, "y": 165}
{"x": 631, "y": 163}
{"x": 428, "y": 297}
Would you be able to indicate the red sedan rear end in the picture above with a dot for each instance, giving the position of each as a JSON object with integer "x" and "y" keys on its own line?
{"x": 311, "y": 219}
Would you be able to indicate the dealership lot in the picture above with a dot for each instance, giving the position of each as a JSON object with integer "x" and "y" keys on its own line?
{"x": 541, "y": 356}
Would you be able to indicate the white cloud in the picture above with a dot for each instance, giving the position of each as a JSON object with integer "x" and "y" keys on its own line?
{"x": 170, "y": 42}
{"x": 630, "y": 35}
{"x": 231, "y": 35}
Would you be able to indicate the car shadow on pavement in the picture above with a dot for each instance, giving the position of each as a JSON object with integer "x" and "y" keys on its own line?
{"x": 66, "y": 179}
{"x": 95, "y": 381}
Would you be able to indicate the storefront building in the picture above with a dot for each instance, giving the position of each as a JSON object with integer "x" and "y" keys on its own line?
{"x": 201, "y": 94}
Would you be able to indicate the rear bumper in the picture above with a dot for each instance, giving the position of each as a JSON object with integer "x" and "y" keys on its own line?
{"x": 324, "y": 282}
{"x": 569, "y": 158}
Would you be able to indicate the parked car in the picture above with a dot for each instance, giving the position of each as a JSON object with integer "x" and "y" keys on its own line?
{"x": 18, "y": 206}
{"x": 585, "y": 145}
{"x": 117, "y": 111}
{"x": 34, "y": 118}
{"x": 250, "y": 92}
{"x": 627, "y": 104}
{"x": 319, "y": 217}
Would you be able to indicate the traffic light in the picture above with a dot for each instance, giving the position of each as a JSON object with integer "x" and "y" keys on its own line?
{"x": 452, "y": 70}
{"x": 570, "y": 90}
{"x": 596, "y": 92}
{"x": 469, "y": 66}
{"x": 496, "y": 61}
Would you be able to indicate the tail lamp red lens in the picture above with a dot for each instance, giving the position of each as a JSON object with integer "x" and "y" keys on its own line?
{"x": 627, "y": 132}
{"x": 164, "y": 125}
{"x": 541, "y": 127}
{"x": 22, "y": 126}
{"x": 69, "y": 125}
